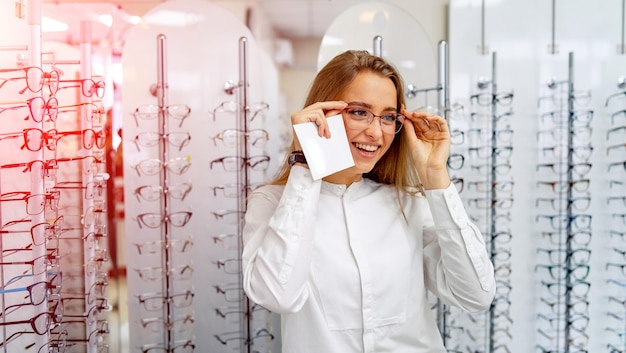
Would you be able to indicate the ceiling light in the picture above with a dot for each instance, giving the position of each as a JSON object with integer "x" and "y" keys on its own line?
{"x": 49, "y": 24}
{"x": 173, "y": 18}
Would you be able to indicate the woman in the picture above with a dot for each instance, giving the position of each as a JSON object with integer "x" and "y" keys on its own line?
{"x": 347, "y": 260}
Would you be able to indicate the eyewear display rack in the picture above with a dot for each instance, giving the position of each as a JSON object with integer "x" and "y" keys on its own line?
{"x": 188, "y": 170}
{"x": 53, "y": 252}
{"x": 615, "y": 264}
{"x": 496, "y": 200}
{"x": 255, "y": 326}
{"x": 162, "y": 292}
{"x": 564, "y": 260}
{"x": 485, "y": 142}
{"x": 446, "y": 322}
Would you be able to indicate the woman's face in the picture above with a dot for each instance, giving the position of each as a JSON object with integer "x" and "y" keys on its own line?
{"x": 376, "y": 94}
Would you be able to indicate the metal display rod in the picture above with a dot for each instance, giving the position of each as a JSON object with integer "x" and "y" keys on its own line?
{"x": 378, "y": 46}
{"x": 244, "y": 179}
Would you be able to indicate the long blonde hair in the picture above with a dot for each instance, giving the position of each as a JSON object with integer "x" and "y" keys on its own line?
{"x": 333, "y": 79}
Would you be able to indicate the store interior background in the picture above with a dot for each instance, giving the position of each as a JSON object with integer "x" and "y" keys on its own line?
{"x": 520, "y": 45}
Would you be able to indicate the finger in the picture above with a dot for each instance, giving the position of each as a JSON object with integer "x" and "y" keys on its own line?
{"x": 425, "y": 121}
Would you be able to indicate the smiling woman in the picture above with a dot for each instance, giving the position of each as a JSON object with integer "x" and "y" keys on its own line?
{"x": 347, "y": 260}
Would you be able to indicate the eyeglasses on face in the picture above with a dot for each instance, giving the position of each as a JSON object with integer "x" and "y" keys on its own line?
{"x": 150, "y": 112}
{"x": 236, "y": 163}
{"x": 35, "y": 78}
{"x": 358, "y": 118}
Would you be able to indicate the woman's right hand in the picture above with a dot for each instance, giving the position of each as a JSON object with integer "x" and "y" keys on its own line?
{"x": 317, "y": 113}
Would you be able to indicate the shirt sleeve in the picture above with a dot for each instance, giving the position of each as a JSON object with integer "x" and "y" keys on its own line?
{"x": 456, "y": 262}
{"x": 278, "y": 241}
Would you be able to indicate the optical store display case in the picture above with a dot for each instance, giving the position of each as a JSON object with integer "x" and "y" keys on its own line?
{"x": 538, "y": 155}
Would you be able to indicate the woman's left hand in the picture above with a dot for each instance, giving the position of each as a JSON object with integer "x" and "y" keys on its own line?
{"x": 429, "y": 141}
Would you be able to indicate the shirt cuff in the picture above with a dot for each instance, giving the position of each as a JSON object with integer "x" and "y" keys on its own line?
{"x": 447, "y": 207}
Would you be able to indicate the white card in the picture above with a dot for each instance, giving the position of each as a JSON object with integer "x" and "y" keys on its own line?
{"x": 325, "y": 156}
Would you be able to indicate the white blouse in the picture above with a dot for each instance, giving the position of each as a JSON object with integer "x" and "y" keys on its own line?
{"x": 348, "y": 268}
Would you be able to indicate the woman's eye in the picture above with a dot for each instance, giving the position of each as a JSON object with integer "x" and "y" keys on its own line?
{"x": 358, "y": 112}
{"x": 388, "y": 118}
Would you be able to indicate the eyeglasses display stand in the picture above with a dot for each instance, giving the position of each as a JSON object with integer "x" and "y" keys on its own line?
{"x": 53, "y": 183}
{"x": 199, "y": 134}
{"x": 559, "y": 144}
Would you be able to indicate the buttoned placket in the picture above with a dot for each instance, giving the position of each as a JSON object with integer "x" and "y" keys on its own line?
{"x": 360, "y": 256}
